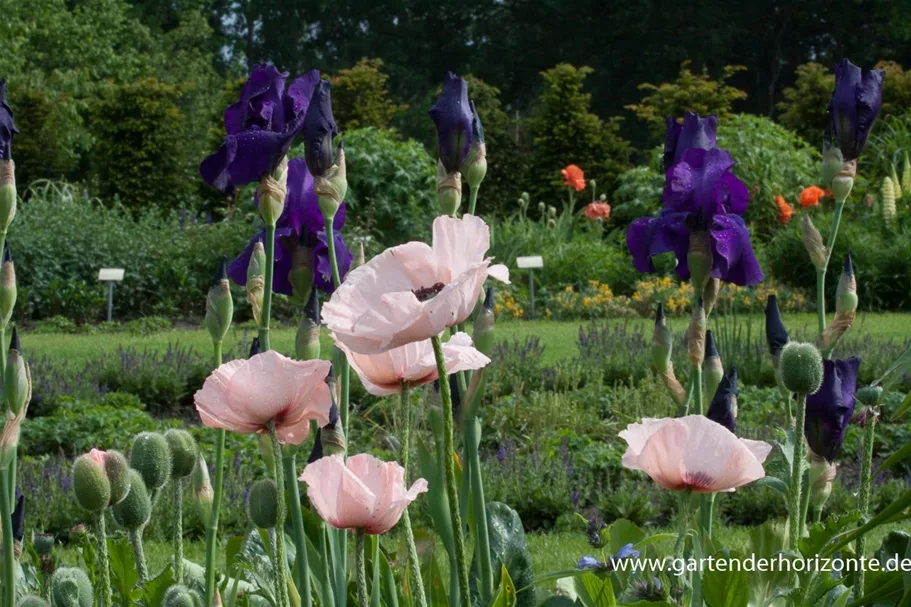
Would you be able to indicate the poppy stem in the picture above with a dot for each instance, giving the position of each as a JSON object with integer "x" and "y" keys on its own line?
{"x": 139, "y": 555}
{"x": 178, "y": 529}
{"x": 413, "y": 560}
{"x": 217, "y": 491}
{"x": 449, "y": 467}
{"x": 360, "y": 565}
{"x": 106, "y": 599}
{"x": 866, "y": 473}
{"x": 281, "y": 562}
{"x": 795, "y": 527}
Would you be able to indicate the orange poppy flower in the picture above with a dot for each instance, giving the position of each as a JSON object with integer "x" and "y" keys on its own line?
{"x": 810, "y": 196}
{"x": 597, "y": 210}
{"x": 573, "y": 177}
{"x": 785, "y": 211}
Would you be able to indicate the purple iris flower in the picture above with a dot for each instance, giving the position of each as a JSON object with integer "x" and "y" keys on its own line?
{"x": 7, "y": 126}
{"x": 695, "y": 132}
{"x": 453, "y": 118}
{"x": 261, "y": 127}
{"x": 700, "y": 193}
{"x": 854, "y": 106}
{"x": 300, "y": 219}
{"x": 723, "y": 409}
{"x": 320, "y": 130}
{"x": 830, "y": 409}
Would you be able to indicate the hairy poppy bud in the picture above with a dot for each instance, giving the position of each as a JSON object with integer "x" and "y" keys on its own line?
{"x": 17, "y": 384}
{"x": 8, "y": 290}
{"x": 822, "y": 475}
{"x": 696, "y": 333}
{"x": 262, "y": 504}
{"x": 483, "y": 336}
{"x": 8, "y": 195}
{"x": 70, "y": 586}
{"x": 31, "y": 600}
{"x": 151, "y": 457}
{"x": 135, "y": 510}
{"x": 44, "y": 543}
{"x": 306, "y": 343}
{"x": 184, "y": 452}
{"x": 90, "y": 483}
{"x": 118, "y": 470}
{"x": 801, "y": 368}
{"x": 178, "y": 596}
{"x": 713, "y": 371}
{"x": 812, "y": 241}
{"x": 271, "y": 193}
{"x": 888, "y": 194}
{"x": 449, "y": 191}
{"x": 219, "y": 305}
{"x": 475, "y": 167}
{"x": 542, "y": 208}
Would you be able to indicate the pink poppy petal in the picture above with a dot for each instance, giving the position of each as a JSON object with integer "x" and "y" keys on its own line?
{"x": 662, "y": 455}
{"x": 459, "y": 244}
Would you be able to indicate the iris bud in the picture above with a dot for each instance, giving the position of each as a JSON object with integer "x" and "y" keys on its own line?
{"x": 184, "y": 452}
{"x": 832, "y": 159}
{"x": 475, "y": 166}
{"x": 812, "y": 241}
{"x": 906, "y": 175}
{"x": 449, "y": 191}
{"x": 483, "y": 336}
{"x": 332, "y": 186}
{"x": 151, "y": 457}
{"x": 713, "y": 371}
{"x": 822, "y": 475}
{"x": 70, "y": 587}
{"x": 843, "y": 182}
{"x": 262, "y": 505}
{"x": 90, "y": 483}
{"x": 271, "y": 193}
{"x": 801, "y": 368}
{"x": 8, "y": 290}
{"x": 846, "y": 294}
{"x": 17, "y": 384}
{"x": 306, "y": 343}
{"x": 135, "y": 510}
{"x": 696, "y": 333}
{"x": 119, "y": 475}
{"x": 699, "y": 255}
{"x": 360, "y": 258}
{"x": 301, "y": 274}
{"x": 710, "y": 294}
{"x": 178, "y": 596}
{"x": 775, "y": 332}
{"x": 219, "y": 305}
{"x": 256, "y": 283}
{"x": 661, "y": 346}
{"x": 8, "y": 196}
{"x": 202, "y": 488}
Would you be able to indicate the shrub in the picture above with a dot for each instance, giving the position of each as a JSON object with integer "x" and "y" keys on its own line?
{"x": 638, "y": 194}
{"x": 803, "y": 109}
{"x": 360, "y": 96}
{"x": 594, "y": 300}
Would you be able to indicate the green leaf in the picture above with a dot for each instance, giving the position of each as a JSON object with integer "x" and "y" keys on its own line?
{"x": 726, "y": 588}
{"x": 506, "y": 594}
{"x": 595, "y": 590}
{"x": 822, "y": 533}
{"x": 899, "y": 455}
{"x": 153, "y": 590}
{"x": 894, "y": 373}
{"x": 509, "y": 547}
{"x": 903, "y": 408}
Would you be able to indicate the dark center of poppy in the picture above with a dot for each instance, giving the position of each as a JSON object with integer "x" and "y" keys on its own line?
{"x": 425, "y": 293}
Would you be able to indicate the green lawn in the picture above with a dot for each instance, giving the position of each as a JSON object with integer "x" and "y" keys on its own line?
{"x": 558, "y": 338}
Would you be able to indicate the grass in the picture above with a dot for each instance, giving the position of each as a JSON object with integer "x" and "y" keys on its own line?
{"x": 558, "y": 337}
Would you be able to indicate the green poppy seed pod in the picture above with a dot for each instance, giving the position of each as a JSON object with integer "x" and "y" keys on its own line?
{"x": 713, "y": 370}
{"x": 178, "y": 595}
{"x": 699, "y": 256}
{"x": 449, "y": 191}
{"x": 301, "y": 274}
{"x": 812, "y": 241}
{"x": 801, "y": 367}
{"x": 822, "y": 475}
{"x": 31, "y": 600}
{"x": 70, "y": 587}
{"x": 552, "y": 212}
{"x": 184, "y": 452}
{"x": 271, "y": 193}
{"x": 484, "y": 334}
{"x": 662, "y": 345}
{"x": 710, "y": 294}
{"x": 262, "y": 503}
{"x": 331, "y": 186}
{"x": 17, "y": 383}
{"x": 542, "y": 208}
{"x": 8, "y": 196}
{"x": 8, "y": 289}
{"x": 832, "y": 159}
{"x": 219, "y": 305}
{"x": 896, "y": 183}
{"x": 44, "y": 543}
{"x": 135, "y": 510}
{"x": 906, "y": 175}
{"x": 118, "y": 471}
{"x": 306, "y": 342}
{"x": 846, "y": 294}
{"x": 151, "y": 457}
{"x": 869, "y": 396}
{"x": 90, "y": 483}
{"x": 888, "y": 194}
{"x": 696, "y": 333}
{"x": 843, "y": 182}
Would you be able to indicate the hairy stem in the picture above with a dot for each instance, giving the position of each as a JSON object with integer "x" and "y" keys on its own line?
{"x": 218, "y": 490}
{"x": 178, "y": 529}
{"x": 795, "y": 527}
{"x": 413, "y": 560}
{"x": 281, "y": 562}
{"x": 139, "y": 554}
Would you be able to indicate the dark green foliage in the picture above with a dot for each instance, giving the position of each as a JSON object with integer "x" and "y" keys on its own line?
{"x": 638, "y": 194}
{"x": 509, "y": 548}
{"x": 360, "y": 97}
{"x": 804, "y": 107}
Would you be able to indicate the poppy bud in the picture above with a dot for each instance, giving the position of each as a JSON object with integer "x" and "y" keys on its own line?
{"x": 17, "y": 384}
{"x": 869, "y": 395}
{"x": 262, "y": 503}
{"x": 31, "y": 600}
{"x": 475, "y": 167}
{"x": 713, "y": 371}
{"x": 184, "y": 452}
{"x": 699, "y": 255}
{"x": 178, "y": 595}
{"x": 812, "y": 241}
{"x": 542, "y": 208}
{"x": 696, "y": 333}
{"x": 70, "y": 586}
{"x": 801, "y": 368}
{"x": 332, "y": 186}
{"x": 135, "y": 510}
{"x": 710, "y": 294}
{"x": 219, "y": 305}
{"x": 90, "y": 483}
{"x": 552, "y": 212}
{"x": 896, "y": 184}
{"x": 906, "y": 175}
{"x": 118, "y": 471}
{"x": 888, "y": 193}
{"x": 8, "y": 289}
{"x": 271, "y": 193}
{"x": 483, "y": 336}
{"x": 202, "y": 488}
{"x": 306, "y": 343}
{"x": 723, "y": 408}
{"x": 551, "y": 223}
{"x": 8, "y": 195}
{"x": 44, "y": 543}
{"x": 151, "y": 457}
{"x": 256, "y": 282}
{"x": 449, "y": 191}
{"x": 822, "y": 475}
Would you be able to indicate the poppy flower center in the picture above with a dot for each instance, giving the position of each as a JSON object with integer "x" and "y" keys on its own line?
{"x": 426, "y": 293}
{"x": 698, "y": 480}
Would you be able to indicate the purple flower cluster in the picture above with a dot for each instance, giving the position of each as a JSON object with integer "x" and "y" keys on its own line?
{"x": 700, "y": 193}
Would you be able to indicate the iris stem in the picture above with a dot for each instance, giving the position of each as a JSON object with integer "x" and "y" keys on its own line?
{"x": 361, "y": 566}
{"x": 218, "y": 489}
{"x": 449, "y": 468}
{"x": 866, "y": 473}
{"x": 413, "y": 560}
{"x": 178, "y": 529}
{"x": 9, "y": 560}
{"x": 821, "y": 273}
{"x": 795, "y": 528}
{"x": 301, "y": 559}
{"x": 281, "y": 562}
{"x": 3, "y": 351}
{"x": 265, "y": 316}
{"x": 472, "y": 199}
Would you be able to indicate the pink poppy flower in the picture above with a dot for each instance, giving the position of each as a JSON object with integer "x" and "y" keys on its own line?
{"x": 413, "y": 292}
{"x": 414, "y": 364}
{"x": 245, "y": 395}
{"x": 597, "y": 210}
{"x": 362, "y": 492}
{"x": 98, "y": 456}
{"x": 693, "y": 452}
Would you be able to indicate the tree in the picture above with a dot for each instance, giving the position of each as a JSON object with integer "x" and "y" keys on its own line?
{"x": 804, "y": 107}
{"x": 360, "y": 96}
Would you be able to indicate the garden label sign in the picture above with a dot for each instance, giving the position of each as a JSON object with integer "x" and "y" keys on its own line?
{"x": 530, "y": 263}
{"x": 110, "y": 276}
